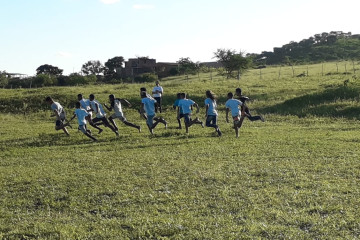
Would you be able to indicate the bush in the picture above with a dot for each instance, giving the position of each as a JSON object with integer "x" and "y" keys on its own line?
{"x": 3, "y": 80}
{"x": 174, "y": 71}
{"x": 146, "y": 77}
{"x": 42, "y": 80}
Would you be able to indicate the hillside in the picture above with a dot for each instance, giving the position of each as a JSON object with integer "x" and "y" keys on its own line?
{"x": 333, "y": 46}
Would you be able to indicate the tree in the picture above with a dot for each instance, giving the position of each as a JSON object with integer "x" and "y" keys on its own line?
{"x": 186, "y": 66}
{"x": 113, "y": 64}
{"x": 3, "y": 79}
{"x": 49, "y": 69}
{"x": 232, "y": 61}
{"x": 92, "y": 67}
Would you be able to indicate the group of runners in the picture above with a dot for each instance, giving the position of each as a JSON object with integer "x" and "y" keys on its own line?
{"x": 150, "y": 105}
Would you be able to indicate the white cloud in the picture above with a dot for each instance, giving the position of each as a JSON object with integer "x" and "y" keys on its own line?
{"x": 143, "y": 6}
{"x": 109, "y": 1}
{"x": 64, "y": 54}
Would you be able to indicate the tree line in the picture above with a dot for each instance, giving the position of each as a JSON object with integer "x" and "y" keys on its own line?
{"x": 232, "y": 62}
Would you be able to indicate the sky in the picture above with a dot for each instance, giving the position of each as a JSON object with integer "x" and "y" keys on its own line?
{"x": 68, "y": 33}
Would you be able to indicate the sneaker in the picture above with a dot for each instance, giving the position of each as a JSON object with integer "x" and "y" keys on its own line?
{"x": 166, "y": 125}
{"x": 219, "y": 132}
{"x": 262, "y": 119}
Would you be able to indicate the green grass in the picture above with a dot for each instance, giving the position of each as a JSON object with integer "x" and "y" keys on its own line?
{"x": 296, "y": 176}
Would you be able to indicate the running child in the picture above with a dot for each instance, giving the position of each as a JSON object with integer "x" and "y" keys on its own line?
{"x": 148, "y": 106}
{"x": 60, "y": 115}
{"x": 82, "y": 115}
{"x": 115, "y": 103}
{"x": 211, "y": 113}
{"x": 233, "y": 106}
{"x": 97, "y": 108}
{"x": 85, "y": 104}
{"x": 243, "y": 99}
{"x": 179, "y": 113}
{"x": 186, "y": 106}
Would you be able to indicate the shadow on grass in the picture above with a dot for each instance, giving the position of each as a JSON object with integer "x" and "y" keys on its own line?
{"x": 323, "y": 104}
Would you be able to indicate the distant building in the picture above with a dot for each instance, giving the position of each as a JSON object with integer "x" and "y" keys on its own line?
{"x": 137, "y": 66}
{"x": 16, "y": 75}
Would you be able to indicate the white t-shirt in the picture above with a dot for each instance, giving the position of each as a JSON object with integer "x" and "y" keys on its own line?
{"x": 158, "y": 88}
{"x": 212, "y": 107}
{"x": 99, "y": 114}
{"x": 185, "y": 105}
{"x": 117, "y": 108}
{"x": 59, "y": 109}
{"x": 81, "y": 114}
{"x": 149, "y": 106}
{"x": 85, "y": 104}
{"x": 233, "y": 105}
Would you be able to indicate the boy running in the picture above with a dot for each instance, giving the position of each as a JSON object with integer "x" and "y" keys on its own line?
{"x": 60, "y": 115}
{"x": 186, "y": 105}
{"x": 211, "y": 113}
{"x": 97, "y": 108}
{"x": 82, "y": 115}
{"x": 233, "y": 105}
{"x": 179, "y": 112}
{"x": 148, "y": 106}
{"x": 85, "y": 104}
{"x": 115, "y": 103}
{"x": 244, "y": 107}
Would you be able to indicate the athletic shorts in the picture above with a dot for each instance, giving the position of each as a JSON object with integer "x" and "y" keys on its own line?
{"x": 149, "y": 120}
{"x": 59, "y": 122}
{"x": 158, "y": 100}
{"x": 236, "y": 119}
{"x": 181, "y": 115}
{"x": 121, "y": 118}
{"x": 82, "y": 128}
{"x": 187, "y": 118}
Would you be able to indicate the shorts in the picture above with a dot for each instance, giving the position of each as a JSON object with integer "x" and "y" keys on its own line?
{"x": 82, "y": 128}
{"x": 121, "y": 118}
{"x": 59, "y": 122}
{"x": 158, "y": 100}
{"x": 181, "y": 115}
{"x": 149, "y": 120}
{"x": 187, "y": 118}
{"x": 236, "y": 119}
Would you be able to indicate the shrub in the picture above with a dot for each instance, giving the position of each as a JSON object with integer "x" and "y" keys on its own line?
{"x": 146, "y": 77}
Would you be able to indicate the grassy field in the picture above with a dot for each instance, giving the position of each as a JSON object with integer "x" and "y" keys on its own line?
{"x": 295, "y": 176}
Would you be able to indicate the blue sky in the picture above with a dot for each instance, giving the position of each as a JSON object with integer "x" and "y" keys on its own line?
{"x": 68, "y": 33}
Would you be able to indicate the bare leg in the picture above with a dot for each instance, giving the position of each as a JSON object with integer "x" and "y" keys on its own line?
{"x": 179, "y": 121}
{"x": 132, "y": 125}
{"x": 95, "y": 126}
{"x": 159, "y": 119}
{"x": 65, "y": 131}
{"x": 236, "y": 127}
{"x": 113, "y": 123}
{"x": 88, "y": 135}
